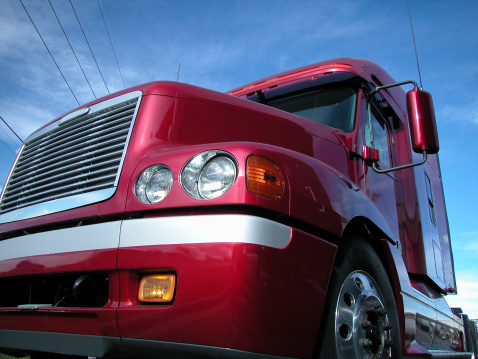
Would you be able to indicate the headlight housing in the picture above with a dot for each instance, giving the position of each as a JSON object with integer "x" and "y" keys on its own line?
{"x": 209, "y": 174}
{"x": 153, "y": 184}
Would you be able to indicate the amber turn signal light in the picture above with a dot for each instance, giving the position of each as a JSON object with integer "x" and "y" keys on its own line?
{"x": 264, "y": 177}
{"x": 157, "y": 288}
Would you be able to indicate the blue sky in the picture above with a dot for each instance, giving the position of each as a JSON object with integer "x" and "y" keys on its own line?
{"x": 223, "y": 44}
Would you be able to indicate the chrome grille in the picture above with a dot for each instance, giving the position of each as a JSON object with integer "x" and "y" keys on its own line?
{"x": 78, "y": 156}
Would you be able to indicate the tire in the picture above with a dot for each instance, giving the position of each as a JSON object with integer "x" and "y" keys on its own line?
{"x": 361, "y": 319}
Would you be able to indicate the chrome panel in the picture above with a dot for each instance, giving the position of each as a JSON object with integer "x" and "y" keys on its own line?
{"x": 73, "y": 173}
{"x": 42, "y": 208}
{"x": 83, "y": 154}
{"x": 84, "y": 238}
{"x": 93, "y": 108}
{"x": 74, "y": 115}
{"x": 65, "y": 150}
{"x": 225, "y": 228}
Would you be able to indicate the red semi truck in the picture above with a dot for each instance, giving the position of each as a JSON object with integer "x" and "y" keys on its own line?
{"x": 298, "y": 216}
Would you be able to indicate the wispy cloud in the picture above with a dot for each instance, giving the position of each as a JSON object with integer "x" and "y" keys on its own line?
{"x": 463, "y": 112}
{"x": 467, "y": 283}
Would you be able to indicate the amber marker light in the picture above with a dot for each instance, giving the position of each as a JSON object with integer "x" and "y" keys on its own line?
{"x": 264, "y": 177}
{"x": 157, "y": 288}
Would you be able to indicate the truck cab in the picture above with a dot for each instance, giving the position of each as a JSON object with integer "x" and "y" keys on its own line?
{"x": 301, "y": 215}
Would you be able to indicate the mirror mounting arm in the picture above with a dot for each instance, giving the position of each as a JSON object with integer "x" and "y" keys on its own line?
{"x": 377, "y": 89}
{"x": 376, "y": 168}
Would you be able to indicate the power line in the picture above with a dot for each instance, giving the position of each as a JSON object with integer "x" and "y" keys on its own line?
{"x": 8, "y": 148}
{"x": 58, "y": 67}
{"x": 117, "y": 63}
{"x": 94, "y": 58}
{"x": 11, "y": 129}
{"x": 5, "y": 143}
{"x": 71, "y": 47}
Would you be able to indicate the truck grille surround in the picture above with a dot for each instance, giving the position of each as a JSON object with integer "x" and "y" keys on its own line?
{"x": 79, "y": 156}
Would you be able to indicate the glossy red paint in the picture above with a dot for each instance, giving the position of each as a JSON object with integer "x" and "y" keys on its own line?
{"x": 85, "y": 321}
{"x": 422, "y": 121}
{"x": 253, "y": 297}
{"x": 97, "y": 260}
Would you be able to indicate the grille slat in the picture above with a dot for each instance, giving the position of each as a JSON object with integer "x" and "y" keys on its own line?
{"x": 25, "y": 176}
{"x": 75, "y": 151}
{"x": 52, "y": 197}
{"x": 93, "y": 139}
{"x": 95, "y": 134}
{"x": 65, "y": 177}
{"x": 79, "y": 156}
{"x": 68, "y": 164}
{"x": 62, "y": 191}
{"x": 68, "y": 130}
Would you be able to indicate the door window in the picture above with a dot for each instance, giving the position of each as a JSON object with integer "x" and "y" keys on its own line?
{"x": 378, "y": 137}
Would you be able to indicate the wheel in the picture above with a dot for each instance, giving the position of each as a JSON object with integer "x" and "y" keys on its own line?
{"x": 360, "y": 312}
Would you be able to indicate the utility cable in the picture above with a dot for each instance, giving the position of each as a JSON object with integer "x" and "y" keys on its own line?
{"x": 94, "y": 58}
{"x": 106, "y": 27}
{"x": 5, "y": 143}
{"x": 71, "y": 47}
{"x": 11, "y": 129}
{"x": 8, "y": 148}
{"x": 58, "y": 67}
{"x": 414, "y": 45}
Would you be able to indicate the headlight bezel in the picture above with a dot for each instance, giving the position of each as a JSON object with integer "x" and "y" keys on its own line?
{"x": 144, "y": 181}
{"x": 193, "y": 170}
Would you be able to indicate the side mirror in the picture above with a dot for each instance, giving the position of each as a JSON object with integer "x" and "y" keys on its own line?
{"x": 421, "y": 117}
{"x": 423, "y": 128}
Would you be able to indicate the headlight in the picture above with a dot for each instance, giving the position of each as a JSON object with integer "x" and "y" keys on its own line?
{"x": 153, "y": 184}
{"x": 209, "y": 174}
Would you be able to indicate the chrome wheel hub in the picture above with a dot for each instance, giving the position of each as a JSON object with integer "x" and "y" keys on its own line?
{"x": 362, "y": 329}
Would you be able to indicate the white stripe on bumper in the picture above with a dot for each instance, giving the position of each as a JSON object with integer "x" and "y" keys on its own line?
{"x": 149, "y": 232}
{"x": 205, "y": 229}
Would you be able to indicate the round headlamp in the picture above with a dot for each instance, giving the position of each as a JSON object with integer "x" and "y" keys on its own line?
{"x": 153, "y": 184}
{"x": 209, "y": 174}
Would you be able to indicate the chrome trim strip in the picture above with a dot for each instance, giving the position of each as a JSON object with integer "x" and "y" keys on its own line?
{"x": 229, "y": 228}
{"x": 128, "y": 137}
{"x": 58, "y": 205}
{"x": 11, "y": 171}
{"x": 77, "y": 239}
{"x": 73, "y": 115}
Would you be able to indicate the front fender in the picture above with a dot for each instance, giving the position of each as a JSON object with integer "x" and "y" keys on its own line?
{"x": 327, "y": 199}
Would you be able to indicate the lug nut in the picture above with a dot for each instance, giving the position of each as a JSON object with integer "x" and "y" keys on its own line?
{"x": 369, "y": 308}
{"x": 366, "y": 323}
{"x": 388, "y": 344}
{"x": 382, "y": 311}
{"x": 387, "y": 326}
{"x": 366, "y": 343}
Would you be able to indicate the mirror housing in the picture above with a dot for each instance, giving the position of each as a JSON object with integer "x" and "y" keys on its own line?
{"x": 421, "y": 117}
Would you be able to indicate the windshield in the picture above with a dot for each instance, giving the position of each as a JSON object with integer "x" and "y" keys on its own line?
{"x": 333, "y": 107}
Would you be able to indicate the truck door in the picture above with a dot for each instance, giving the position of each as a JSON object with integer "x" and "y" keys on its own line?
{"x": 382, "y": 188}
